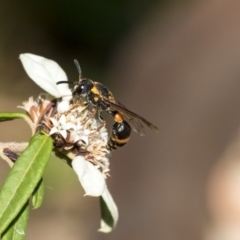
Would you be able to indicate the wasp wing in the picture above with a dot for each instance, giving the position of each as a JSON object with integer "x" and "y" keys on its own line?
{"x": 134, "y": 119}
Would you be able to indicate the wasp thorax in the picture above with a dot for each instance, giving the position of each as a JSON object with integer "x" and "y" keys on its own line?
{"x": 75, "y": 132}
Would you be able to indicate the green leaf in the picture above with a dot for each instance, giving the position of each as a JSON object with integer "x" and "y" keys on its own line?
{"x": 8, "y": 116}
{"x": 38, "y": 195}
{"x": 23, "y": 178}
{"x": 17, "y": 228}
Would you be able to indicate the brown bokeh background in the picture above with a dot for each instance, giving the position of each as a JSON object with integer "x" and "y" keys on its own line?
{"x": 175, "y": 63}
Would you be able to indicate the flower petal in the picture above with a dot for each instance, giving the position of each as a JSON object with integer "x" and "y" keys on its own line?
{"x": 54, "y": 122}
{"x": 45, "y": 73}
{"x": 70, "y": 125}
{"x": 109, "y": 212}
{"x": 53, "y": 130}
{"x": 63, "y": 133}
{"x": 62, "y": 120}
{"x": 84, "y": 138}
{"x": 90, "y": 177}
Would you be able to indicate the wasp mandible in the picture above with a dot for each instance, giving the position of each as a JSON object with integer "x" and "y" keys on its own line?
{"x": 96, "y": 94}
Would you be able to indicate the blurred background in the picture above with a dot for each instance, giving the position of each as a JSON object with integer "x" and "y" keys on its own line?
{"x": 176, "y": 63}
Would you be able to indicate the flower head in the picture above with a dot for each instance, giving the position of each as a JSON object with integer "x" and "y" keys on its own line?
{"x": 76, "y": 132}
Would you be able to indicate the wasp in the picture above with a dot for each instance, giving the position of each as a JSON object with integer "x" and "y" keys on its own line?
{"x": 97, "y": 95}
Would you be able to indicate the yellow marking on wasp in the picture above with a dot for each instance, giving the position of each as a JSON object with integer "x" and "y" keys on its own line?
{"x": 120, "y": 140}
{"x": 110, "y": 97}
{"x": 118, "y": 117}
{"x": 96, "y": 98}
{"x": 95, "y": 90}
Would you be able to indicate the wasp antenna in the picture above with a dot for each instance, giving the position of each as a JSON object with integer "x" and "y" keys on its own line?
{"x": 60, "y": 82}
{"x": 78, "y": 67}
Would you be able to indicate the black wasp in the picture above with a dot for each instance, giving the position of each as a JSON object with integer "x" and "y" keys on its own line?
{"x": 96, "y": 94}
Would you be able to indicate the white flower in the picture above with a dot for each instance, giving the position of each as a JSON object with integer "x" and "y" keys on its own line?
{"x": 75, "y": 126}
{"x": 61, "y": 126}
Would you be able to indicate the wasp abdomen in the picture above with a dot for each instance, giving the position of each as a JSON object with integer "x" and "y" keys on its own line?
{"x": 120, "y": 135}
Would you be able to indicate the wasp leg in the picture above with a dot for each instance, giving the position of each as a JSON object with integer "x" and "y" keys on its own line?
{"x": 103, "y": 123}
{"x": 121, "y": 131}
{"x": 90, "y": 116}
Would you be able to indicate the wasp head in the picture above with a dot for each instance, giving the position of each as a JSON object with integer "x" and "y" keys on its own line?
{"x": 82, "y": 88}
